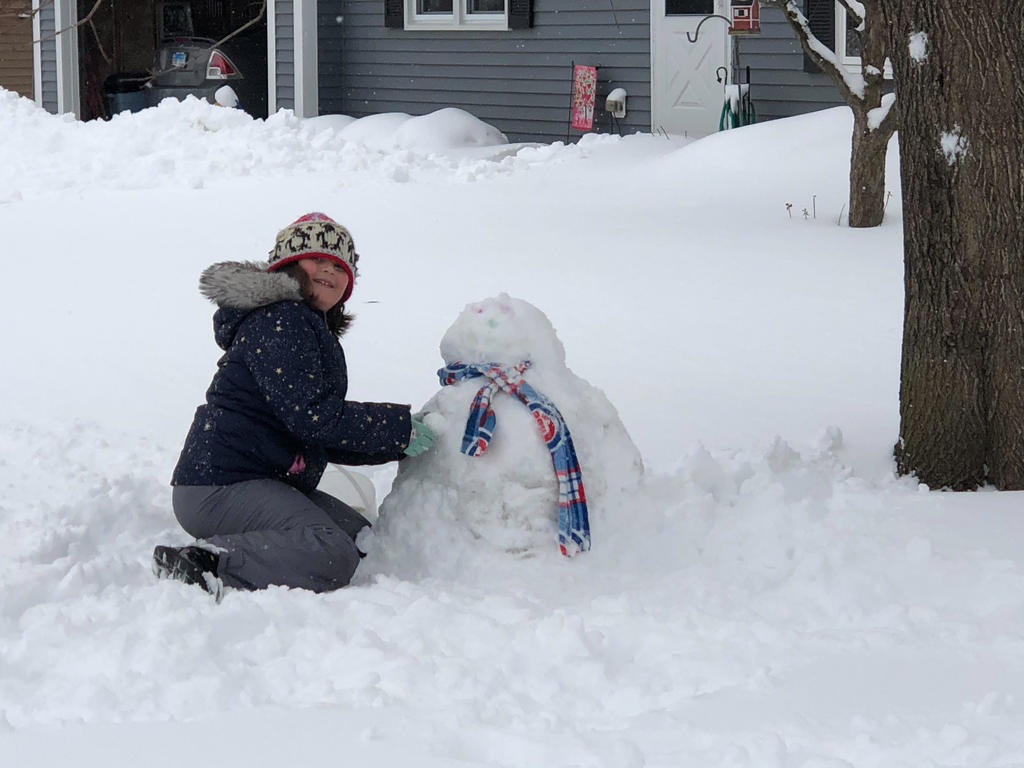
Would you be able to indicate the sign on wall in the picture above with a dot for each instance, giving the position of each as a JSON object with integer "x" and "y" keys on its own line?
{"x": 584, "y": 93}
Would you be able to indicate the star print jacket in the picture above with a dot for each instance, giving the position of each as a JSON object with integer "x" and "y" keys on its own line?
{"x": 276, "y": 407}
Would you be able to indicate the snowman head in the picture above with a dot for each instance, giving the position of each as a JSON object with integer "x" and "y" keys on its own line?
{"x": 502, "y": 330}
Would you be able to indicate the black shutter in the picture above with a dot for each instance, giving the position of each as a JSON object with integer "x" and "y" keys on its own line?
{"x": 394, "y": 14}
{"x": 821, "y": 18}
{"x": 520, "y": 14}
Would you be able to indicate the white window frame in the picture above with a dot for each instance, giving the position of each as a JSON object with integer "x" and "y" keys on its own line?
{"x": 850, "y": 63}
{"x": 460, "y": 19}
{"x": 271, "y": 57}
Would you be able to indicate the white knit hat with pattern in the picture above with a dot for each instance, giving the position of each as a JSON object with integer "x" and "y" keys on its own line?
{"x": 316, "y": 236}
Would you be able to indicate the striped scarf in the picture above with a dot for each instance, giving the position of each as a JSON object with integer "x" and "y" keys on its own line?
{"x": 573, "y": 522}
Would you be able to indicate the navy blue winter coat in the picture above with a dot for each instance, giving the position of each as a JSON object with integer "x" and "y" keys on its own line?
{"x": 279, "y": 391}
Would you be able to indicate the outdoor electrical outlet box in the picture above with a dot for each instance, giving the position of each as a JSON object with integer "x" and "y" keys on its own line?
{"x": 616, "y": 102}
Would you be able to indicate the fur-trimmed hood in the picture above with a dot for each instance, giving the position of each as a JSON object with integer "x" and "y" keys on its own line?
{"x": 246, "y": 285}
{"x": 238, "y": 288}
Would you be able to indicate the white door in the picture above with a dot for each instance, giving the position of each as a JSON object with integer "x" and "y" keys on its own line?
{"x": 686, "y": 96}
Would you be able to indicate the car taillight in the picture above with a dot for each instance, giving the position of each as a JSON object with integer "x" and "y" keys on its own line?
{"x": 220, "y": 67}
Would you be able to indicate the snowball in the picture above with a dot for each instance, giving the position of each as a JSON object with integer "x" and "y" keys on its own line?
{"x": 445, "y": 505}
{"x": 225, "y": 96}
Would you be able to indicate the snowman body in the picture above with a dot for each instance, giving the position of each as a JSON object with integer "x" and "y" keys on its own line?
{"x": 505, "y": 500}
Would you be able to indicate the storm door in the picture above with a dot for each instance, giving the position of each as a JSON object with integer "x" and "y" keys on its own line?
{"x": 686, "y": 98}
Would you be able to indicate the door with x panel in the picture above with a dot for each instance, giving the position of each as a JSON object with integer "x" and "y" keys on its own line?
{"x": 686, "y": 97}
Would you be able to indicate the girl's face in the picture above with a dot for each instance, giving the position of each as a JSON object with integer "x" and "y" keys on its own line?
{"x": 329, "y": 280}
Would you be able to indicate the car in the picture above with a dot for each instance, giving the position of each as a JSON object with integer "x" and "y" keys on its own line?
{"x": 187, "y": 64}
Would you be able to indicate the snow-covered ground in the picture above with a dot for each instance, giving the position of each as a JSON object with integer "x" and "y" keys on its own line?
{"x": 770, "y": 595}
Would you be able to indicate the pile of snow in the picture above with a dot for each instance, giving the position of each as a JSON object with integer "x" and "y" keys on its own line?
{"x": 755, "y": 607}
{"x": 449, "y": 514}
{"x": 193, "y": 143}
{"x": 447, "y": 128}
{"x": 768, "y": 593}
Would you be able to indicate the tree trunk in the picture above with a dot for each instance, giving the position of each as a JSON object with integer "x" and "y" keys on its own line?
{"x": 961, "y": 116}
{"x": 867, "y": 173}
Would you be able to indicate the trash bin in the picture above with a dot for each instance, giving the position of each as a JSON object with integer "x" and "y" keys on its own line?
{"x": 124, "y": 91}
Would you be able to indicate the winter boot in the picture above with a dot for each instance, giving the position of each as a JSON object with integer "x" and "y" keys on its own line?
{"x": 191, "y": 564}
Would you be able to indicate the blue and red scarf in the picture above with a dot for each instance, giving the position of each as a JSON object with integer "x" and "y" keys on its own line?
{"x": 573, "y": 522}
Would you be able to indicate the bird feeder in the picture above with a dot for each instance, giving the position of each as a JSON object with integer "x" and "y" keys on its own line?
{"x": 746, "y": 17}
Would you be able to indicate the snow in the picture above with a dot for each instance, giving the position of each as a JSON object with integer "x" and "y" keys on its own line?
{"x": 877, "y": 115}
{"x": 767, "y": 594}
{"x": 857, "y": 8}
{"x": 225, "y": 96}
{"x": 735, "y": 92}
{"x": 954, "y": 145}
{"x": 447, "y": 128}
{"x": 918, "y": 46}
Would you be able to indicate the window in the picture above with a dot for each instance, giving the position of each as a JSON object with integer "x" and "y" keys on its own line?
{"x": 847, "y": 38}
{"x": 689, "y": 7}
{"x": 456, "y": 14}
{"x": 848, "y": 43}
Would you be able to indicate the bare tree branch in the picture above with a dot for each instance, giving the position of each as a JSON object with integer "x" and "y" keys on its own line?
{"x": 255, "y": 20}
{"x": 69, "y": 27}
{"x": 16, "y": 9}
{"x": 818, "y": 52}
{"x": 99, "y": 43}
{"x": 874, "y": 119}
{"x": 856, "y": 11}
{"x": 33, "y": 11}
{"x": 88, "y": 19}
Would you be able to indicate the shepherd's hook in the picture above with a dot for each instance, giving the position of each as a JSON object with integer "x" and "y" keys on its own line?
{"x": 696, "y": 32}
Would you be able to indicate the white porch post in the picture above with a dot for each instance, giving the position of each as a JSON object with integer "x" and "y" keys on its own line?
{"x": 307, "y": 91}
{"x": 66, "y": 15}
{"x": 271, "y": 57}
{"x": 37, "y": 55}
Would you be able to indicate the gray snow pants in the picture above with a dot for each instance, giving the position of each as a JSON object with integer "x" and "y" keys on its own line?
{"x": 273, "y": 533}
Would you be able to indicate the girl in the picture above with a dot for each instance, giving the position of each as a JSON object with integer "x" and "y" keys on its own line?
{"x": 275, "y": 414}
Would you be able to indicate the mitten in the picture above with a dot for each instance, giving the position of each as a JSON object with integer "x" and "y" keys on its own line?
{"x": 421, "y": 439}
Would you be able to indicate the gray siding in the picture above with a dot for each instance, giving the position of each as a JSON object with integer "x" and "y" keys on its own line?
{"x": 519, "y": 80}
{"x": 779, "y": 85}
{"x": 48, "y": 57}
{"x": 284, "y": 18}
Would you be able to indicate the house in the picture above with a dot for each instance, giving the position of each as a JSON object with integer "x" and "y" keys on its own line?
{"x": 17, "y": 71}
{"x": 506, "y": 61}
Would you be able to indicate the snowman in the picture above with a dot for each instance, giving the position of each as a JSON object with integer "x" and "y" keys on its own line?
{"x": 511, "y": 421}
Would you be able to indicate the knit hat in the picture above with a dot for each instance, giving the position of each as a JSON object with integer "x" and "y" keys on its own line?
{"x": 315, "y": 236}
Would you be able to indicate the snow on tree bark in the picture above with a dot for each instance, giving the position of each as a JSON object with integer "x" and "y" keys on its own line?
{"x": 961, "y": 112}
